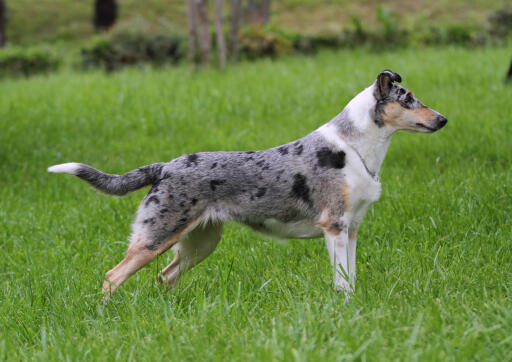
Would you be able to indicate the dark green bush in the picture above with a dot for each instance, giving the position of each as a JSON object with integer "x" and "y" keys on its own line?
{"x": 501, "y": 23}
{"x": 26, "y": 61}
{"x": 390, "y": 35}
{"x": 257, "y": 42}
{"x": 133, "y": 45}
{"x": 455, "y": 34}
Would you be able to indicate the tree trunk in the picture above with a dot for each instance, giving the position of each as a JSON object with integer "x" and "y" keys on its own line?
{"x": 258, "y": 12}
{"x": 236, "y": 14}
{"x": 192, "y": 30}
{"x": 105, "y": 14}
{"x": 221, "y": 44}
{"x": 265, "y": 11}
{"x": 509, "y": 73}
{"x": 204, "y": 31}
{"x": 252, "y": 12}
{"x": 3, "y": 20}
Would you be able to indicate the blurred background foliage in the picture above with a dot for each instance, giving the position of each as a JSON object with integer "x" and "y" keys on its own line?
{"x": 43, "y": 35}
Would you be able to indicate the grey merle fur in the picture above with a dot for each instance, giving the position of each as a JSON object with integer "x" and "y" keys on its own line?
{"x": 253, "y": 187}
{"x": 288, "y": 183}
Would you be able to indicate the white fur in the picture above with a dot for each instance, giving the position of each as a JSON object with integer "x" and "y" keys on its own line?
{"x": 373, "y": 142}
{"x": 329, "y": 132}
{"x": 218, "y": 212}
{"x": 70, "y": 167}
{"x": 364, "y": 153}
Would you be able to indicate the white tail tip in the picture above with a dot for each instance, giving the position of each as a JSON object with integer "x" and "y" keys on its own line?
{"x": 70, "y": 167}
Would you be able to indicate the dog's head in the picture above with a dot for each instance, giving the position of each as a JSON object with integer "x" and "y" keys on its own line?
{"x": 397, "y": 107}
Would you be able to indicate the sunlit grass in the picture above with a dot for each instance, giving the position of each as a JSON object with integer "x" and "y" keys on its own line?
{"x": 435, "y": 255}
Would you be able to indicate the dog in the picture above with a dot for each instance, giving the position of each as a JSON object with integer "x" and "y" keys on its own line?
{"x": 319, "y": 185}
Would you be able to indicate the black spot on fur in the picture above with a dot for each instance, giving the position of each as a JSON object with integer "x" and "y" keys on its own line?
{"x": 259, "y": 163}
{"x": 261, "y": 192}
{"x": 213, "y": 165}
{"x": 152, "y": 199}
{"x": 182, "y": 220}
{"x": 164, "y": 210}
{"x": 298, "y": 148}
{"x": 224, "y": 165}
{"x": 182, "y": 204}
{"x": 283, "y": 150}
{"x": 194, "y": 201}
{"x": 150, "y": 221}
{"x": 192, "y": 159}
{"x": 215, "y": 183}
{"x": 300, "y": 189}
{"x": 249, "y": 152}
{"x": 328, "y": 158}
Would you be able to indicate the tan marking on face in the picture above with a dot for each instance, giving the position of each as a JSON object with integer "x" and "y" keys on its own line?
{"x": 399, "y": 117}
{"x": 392, "y": 113}
{"x": 423, "y": 113}
{"x": 345, "y": 194}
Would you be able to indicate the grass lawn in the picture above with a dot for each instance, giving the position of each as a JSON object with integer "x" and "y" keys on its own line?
{"x": 435, "y": 253}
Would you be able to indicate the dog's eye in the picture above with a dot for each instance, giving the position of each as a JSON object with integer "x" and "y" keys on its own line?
{"x": 408, "y": 98}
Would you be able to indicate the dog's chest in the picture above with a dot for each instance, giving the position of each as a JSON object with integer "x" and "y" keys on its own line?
{"x": 364, "y": 190}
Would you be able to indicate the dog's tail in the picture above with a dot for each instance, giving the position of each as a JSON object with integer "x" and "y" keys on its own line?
{"x": 113, "y": 184}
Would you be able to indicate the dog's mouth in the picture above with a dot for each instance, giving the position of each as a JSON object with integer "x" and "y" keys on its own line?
{"x": 426, "y": 127}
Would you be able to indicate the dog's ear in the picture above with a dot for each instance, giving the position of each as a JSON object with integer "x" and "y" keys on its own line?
{"x": 385, "y": 82}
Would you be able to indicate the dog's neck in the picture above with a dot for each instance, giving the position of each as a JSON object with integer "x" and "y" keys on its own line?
{"x": 357, "y": 127}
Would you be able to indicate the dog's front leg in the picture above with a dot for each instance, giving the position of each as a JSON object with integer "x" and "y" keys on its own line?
{"x": 352, "y": 245}
{"x": 337, "y": 245}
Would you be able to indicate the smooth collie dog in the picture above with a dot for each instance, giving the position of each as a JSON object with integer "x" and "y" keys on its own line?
{"x": 321, "y": 184}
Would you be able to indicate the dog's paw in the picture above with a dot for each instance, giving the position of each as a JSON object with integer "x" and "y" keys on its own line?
{"x": 346, "y": 291}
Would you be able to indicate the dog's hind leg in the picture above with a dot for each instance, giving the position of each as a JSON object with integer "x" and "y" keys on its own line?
{"x": 141, "y": 251}
{"x": 137, "y": 256}
{"x": 193, "y": 248}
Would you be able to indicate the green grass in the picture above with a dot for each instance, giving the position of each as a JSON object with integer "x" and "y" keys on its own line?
{"x": 434, "y": 260}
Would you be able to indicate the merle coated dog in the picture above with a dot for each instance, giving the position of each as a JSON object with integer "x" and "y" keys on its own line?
{"x": 321, "y": 184}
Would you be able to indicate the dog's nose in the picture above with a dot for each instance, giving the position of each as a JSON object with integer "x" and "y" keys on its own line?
{"x": 441, "y": 121}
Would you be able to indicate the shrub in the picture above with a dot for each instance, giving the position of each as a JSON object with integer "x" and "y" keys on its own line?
{"x": 455, "y": 34}
{"x": 501, "y": 23}
{"x": 390, "y": 35}
{"x": 26, "y": 61}
{"x": 304, "y": 43}
{"x": 258, "y": 42}
{"x": 133, "y": 45}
